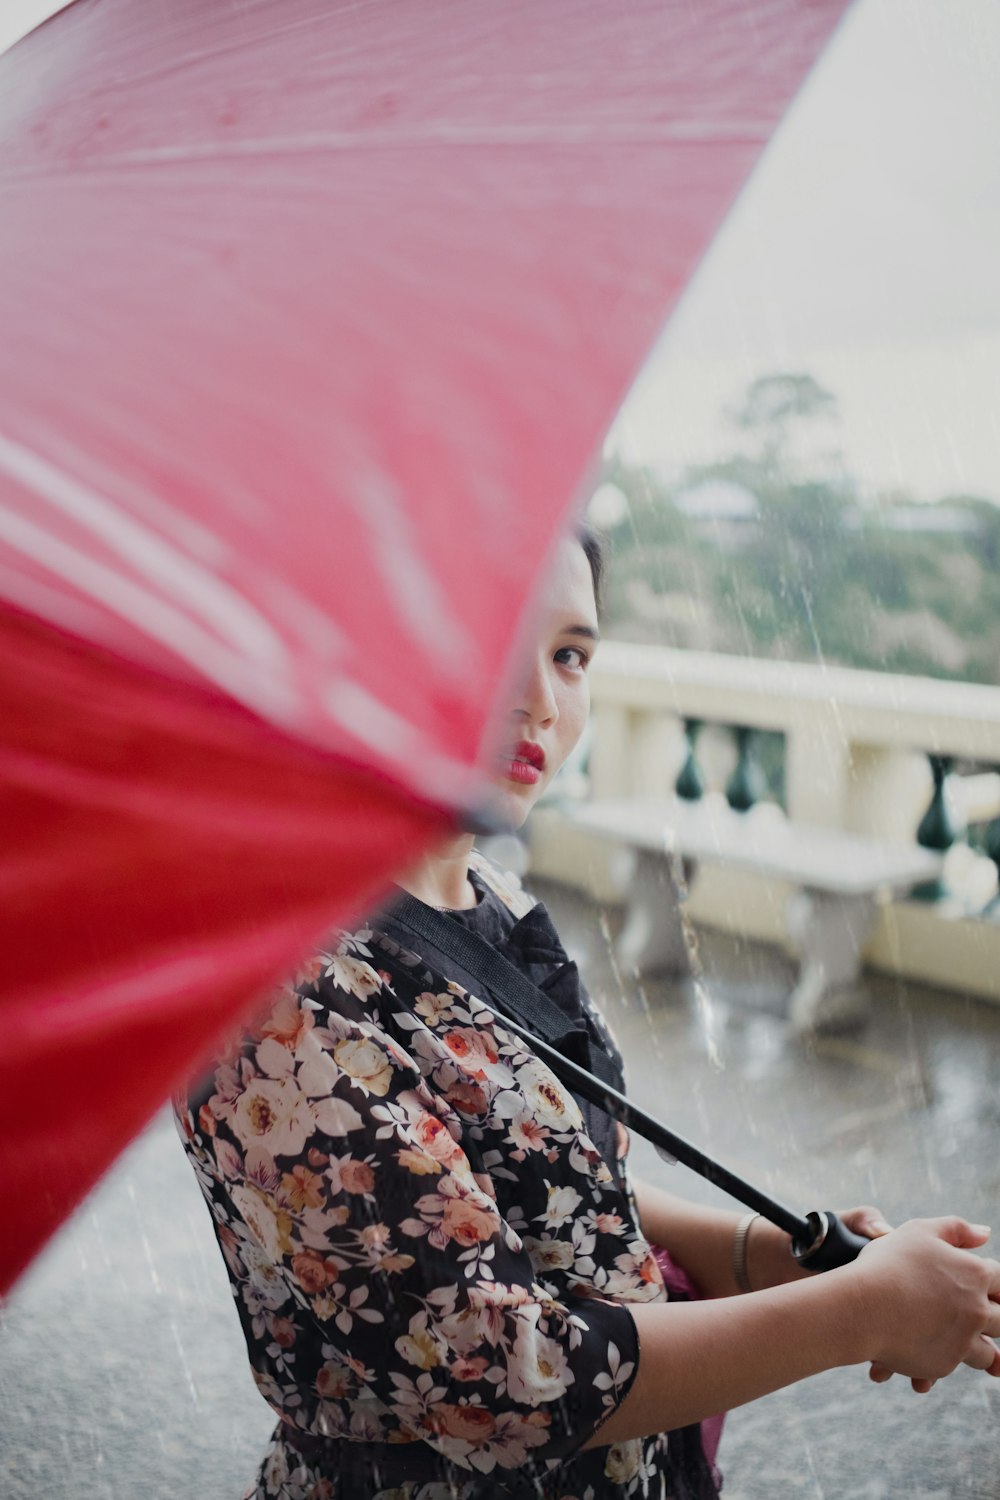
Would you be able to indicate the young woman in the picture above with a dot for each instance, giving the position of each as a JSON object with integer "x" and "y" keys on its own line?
{"x": 443, "y": 1271}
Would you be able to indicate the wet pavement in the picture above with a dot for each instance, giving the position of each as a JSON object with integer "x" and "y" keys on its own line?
{"x": 122, "y": 1373}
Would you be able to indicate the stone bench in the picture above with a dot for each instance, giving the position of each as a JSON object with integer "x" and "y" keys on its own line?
{"x": 838, "y": 878}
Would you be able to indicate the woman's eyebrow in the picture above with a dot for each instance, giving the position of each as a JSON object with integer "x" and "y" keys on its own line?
{"x": 586, "y": 631}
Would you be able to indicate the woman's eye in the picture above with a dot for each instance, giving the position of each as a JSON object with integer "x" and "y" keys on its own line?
{"x": 572, "y": 656}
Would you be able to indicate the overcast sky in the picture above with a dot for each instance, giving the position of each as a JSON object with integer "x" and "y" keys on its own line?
{"x": 19, "y": 16}
{"x": 864, "y": 250}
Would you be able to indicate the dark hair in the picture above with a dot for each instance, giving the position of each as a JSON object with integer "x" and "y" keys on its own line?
{"x": 595, "y": 551}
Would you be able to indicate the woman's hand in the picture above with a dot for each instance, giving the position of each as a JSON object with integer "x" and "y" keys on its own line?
{"x": 769, "y": 1255}
{"x": 868, "y": 1221}
{"x": 933, "y": 1304}
{"x": 774, "y": 1265}
{"x": 871, "y": 1223}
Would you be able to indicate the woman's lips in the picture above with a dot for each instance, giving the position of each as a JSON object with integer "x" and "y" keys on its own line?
{"x": 519, "y": 770}
{"x": 524, "y": 764}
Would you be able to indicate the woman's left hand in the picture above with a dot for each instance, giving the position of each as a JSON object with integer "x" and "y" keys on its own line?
{"x": 867, "y": 1221}
{"x": 770, "y": 1261}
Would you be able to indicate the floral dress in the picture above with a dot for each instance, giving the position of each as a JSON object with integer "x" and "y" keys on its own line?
{"x": 432, "y": 1251}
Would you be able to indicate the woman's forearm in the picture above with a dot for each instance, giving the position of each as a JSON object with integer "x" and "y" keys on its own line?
{"x": 701, "y": 1240}
{"x": 916, "y": 1301}
{"x": 699, "y": 1358}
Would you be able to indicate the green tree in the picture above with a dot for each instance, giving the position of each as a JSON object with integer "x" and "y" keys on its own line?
{"x": 773, "y": 405}
{"x": 814, "y": 573}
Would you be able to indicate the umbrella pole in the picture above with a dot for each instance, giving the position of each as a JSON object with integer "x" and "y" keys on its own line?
{"x": 820, "y": 1241}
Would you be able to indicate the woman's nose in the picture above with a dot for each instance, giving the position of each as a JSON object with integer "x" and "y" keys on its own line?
{"x": 537, "y": 700}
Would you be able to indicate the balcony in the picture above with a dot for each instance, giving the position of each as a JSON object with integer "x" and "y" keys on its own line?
{"x": 905, "y": 760}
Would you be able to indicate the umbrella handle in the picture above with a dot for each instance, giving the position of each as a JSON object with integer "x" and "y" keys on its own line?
{"x": 832, "y": 1244}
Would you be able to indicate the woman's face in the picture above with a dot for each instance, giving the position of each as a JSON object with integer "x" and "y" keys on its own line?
{"x": 550, "y": 708}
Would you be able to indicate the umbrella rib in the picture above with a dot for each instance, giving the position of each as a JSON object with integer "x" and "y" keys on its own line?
{"x": 749, "y": 133}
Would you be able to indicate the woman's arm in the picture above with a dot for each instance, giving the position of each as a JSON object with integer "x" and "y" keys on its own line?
{"x": 916, "y": 1301}
{"x": 701, "y": 1240}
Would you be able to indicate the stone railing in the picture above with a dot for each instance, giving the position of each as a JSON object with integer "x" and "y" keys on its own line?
{"x": 868, "y": 752}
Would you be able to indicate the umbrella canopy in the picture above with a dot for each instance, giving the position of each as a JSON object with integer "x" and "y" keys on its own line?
{"x": 314, "y": 315}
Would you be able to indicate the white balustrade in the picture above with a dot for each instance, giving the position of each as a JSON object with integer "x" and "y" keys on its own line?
{"x": 856, "y": 759}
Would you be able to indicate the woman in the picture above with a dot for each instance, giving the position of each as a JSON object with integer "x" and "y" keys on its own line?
{"x": 442, "y": 1269}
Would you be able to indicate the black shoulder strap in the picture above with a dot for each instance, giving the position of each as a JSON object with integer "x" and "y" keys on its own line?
{"x": 511, "y": 990}
{"x": 541, "y": 1018}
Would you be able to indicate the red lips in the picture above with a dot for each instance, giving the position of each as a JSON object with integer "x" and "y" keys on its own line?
{"x": 523, "y": 763}
{"x": 528, "y": 751}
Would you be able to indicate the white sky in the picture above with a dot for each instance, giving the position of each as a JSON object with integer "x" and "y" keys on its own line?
{"x": 864, "y": 250}
{"x": 20, "y": 16}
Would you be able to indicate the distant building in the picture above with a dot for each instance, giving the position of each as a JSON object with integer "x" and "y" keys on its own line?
{"x": 953, "y": 519}
{"x": 728, "y": 509}
{"x": 718, "y": 500}
{"x": 944, "y": 520}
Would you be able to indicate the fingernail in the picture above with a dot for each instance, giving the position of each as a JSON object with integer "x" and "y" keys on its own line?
{"x": 879, "y": 1226}
{"x": 982, "y": 1229}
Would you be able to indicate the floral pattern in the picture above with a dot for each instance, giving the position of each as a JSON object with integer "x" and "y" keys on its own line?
{"x": 430, "y": 1258}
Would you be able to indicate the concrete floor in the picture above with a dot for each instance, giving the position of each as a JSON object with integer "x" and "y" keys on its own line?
{"x": 121, "y": 1366}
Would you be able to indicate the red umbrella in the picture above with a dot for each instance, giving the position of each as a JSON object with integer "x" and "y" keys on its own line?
{"x": 313, "y": 316}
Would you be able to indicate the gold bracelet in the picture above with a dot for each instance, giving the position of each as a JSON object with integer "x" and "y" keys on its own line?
{"x": 740, "y": 1252}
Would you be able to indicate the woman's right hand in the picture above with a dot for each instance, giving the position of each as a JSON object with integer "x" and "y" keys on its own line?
{"x": 932, "y": 1304}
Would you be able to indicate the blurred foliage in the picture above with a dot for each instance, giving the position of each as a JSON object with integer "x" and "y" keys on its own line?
{"x": 809, "y": 570}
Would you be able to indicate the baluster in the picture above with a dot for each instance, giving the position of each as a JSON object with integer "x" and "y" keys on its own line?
{"x": 690, "y": 783}
{"x": 748, "y": 784}
{"x": 991, "y": 848}
{"x": 938, "y": 829}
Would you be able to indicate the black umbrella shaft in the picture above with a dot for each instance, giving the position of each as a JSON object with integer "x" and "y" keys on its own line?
{"x": 619, "y": 1108}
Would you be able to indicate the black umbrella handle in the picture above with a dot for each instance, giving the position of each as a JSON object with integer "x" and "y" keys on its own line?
{"x": 832, "y": 1243}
